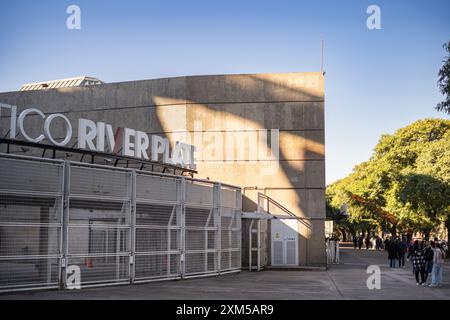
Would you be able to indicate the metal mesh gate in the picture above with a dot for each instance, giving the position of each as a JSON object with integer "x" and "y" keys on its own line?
{"x": 201, "y": 229}
{"x": 30, "y": 223}
{"x": 257, "y": 243}
{"x": 115, "y": 225}
{"x": 158, "y": 227}
{"x": 99, "y": 223}
{"x": 230, "y": 225}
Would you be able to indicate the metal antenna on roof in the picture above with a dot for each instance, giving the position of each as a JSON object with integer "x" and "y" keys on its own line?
{"x": 321, "y": 56}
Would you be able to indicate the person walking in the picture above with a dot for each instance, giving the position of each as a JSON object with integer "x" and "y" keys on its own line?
{"x": 401, "y": 251}
{"x": 355, "y": 241}
{"x": 437, "y": 277}
{"x": 418, "y": 262}
{"x": 386, "y": 244}
{"x": 379, "y": 243}
{"x": 367, "y": 241}
{"x": 428, "y": 254}
{"x": 360, "y": 242}
{"x": 392, "y": 254}
{"x": 409, "y": 247}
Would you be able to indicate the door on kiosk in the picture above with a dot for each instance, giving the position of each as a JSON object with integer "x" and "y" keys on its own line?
{"x": 284, "y": 235}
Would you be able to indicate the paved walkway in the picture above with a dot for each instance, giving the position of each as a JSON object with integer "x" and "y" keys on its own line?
{"x": 344, "y": 281}
{"x": 350, "y": 278}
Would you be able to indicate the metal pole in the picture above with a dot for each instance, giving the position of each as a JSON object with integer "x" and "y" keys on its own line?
{"x": 169, "y": 240}
{"x": 65, "y": 225}
{"x": 337, "y": 251}
{"x": 216, "y": 205}
{"x": 117, "y": 249}
{"x": 133, "y": 227}
{"x": 211, "y": 212}
{"x": 181, "y": 210}
{"x": 258, "y": 245}
{"x": 321, "y": 56}
{"x": 259, "y": 203}
{"x": 230, "y": 239}
{"x": 239, "y": 213}
{"x": 250, "y": 247}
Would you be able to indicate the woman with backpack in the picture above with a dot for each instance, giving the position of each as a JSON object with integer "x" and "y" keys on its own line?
{"x": 418, "y": 262}
{"x": 438, "y": 267}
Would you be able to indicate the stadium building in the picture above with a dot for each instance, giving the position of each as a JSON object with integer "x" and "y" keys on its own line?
{"x": 108, "y": 183}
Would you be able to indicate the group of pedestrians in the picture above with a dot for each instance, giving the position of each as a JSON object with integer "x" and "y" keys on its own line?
{"x": 374, "y": 242}
{"x": 396, "y": 249}
{"x": 426, "y": 257}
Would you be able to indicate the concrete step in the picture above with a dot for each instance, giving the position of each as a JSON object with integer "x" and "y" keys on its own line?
{"x": 296, "y": 268}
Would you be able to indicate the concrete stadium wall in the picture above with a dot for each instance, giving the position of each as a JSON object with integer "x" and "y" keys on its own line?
{"x": 221, "y": 115}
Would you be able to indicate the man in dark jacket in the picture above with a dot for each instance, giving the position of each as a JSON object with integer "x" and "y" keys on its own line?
{"x": 360, "y": 242}
{"x": 367, "y": 242}
{"x": 378, "y": 243}
{"x": 392, "y": 253}
{"x": 386, "y": 244}
{"x": 428, "y": 256}
{"x": 401, "y": 251}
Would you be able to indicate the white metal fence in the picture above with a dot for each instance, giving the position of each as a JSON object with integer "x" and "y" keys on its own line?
{"x": 332, "y": 248}
{"x": 257, "y": 244}
{"x": 116, "y": 225}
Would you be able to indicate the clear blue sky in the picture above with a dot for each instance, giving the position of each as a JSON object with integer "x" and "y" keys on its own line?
{"x": 376, "y": 80}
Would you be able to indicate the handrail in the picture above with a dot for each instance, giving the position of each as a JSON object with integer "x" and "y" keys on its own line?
{"x": 280, "y": 206}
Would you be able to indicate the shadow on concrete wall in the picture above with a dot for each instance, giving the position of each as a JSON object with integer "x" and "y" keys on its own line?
{"x": 273, "y": 90}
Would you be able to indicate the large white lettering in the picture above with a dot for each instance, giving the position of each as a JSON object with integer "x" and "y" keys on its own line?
{"x": 68, "y": 127}
{"x": 21, "y": 121}
{"x": 100, "y": 137}
{"x": 87, "y": 132}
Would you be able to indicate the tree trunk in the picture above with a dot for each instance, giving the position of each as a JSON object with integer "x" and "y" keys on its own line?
{"x": 409, "y": 237}
{"x": 427, "y": 235}
{"x": 394, "y": 230}
{"x": 344, "y": 235}
{"x": 353, "y": 233}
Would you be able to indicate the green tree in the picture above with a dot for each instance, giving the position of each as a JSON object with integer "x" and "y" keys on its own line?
{"x": 435, "y": 160}
{"x": 444, "y": 83}
{"x": 427, "y": 196}
{"x": 405, "y": 183}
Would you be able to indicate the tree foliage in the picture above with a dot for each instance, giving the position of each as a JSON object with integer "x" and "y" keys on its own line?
{"x": 444, "y": 83}
{"x": 407, "y": 176}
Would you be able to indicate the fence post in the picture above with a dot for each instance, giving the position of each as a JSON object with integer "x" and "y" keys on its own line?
{"x": 250, "y": 244}
{"x": 337, "y": 252}
{"x": 239, "y": 217}
{"x": 258, "y": 246}
{"x": 216, "y": 208}
{"x": 133, "y": 226}
{"x": 65, "y": 224}
{"x": 181, "y": 198}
